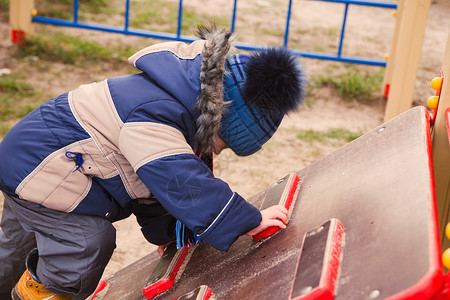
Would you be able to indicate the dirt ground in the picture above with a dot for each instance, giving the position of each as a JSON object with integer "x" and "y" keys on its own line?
{"x": 314, "y": 25}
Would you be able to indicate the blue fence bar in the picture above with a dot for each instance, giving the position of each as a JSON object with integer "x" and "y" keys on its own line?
{"x": 180, "y": 18}
{"x": 341, "y": 38}
{"x": 325, "y": 56}
{"x": 233, "y": 17}
{"x": 113, "y": 29}
{"x": 127, "y": 15}
{"x": 178, "y": 37}
{"x": 288, "y": 20}
{"x": 383, "y": 4}
{"x": 75, "y": 11}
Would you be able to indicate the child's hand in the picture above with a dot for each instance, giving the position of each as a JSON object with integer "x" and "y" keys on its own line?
{"x": 276, "y": 215}
{"x": 161, "y": 248}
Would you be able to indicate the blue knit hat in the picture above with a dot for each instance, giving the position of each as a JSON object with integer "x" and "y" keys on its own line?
{"x": 259, "y": 90}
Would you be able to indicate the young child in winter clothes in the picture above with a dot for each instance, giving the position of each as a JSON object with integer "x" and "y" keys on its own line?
{"x": 131, "y": 145}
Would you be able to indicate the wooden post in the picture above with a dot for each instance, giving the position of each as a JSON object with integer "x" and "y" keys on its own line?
{"x": 391, "y": 58}
{"x": 20, "y": 19}
{"x": 441, "y": 149}
{"x": 405, "y": 60}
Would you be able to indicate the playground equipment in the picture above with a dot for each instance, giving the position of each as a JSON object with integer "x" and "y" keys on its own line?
{"x": 401, "y": 70}
{"x": 23, "y": 15}
{"x": 20, "y": 13}
{"x": 382, "y": 229}
{"x": 390, "y": 217}
{"x": 350, "y": 236}
{"x": 441, "y": 149}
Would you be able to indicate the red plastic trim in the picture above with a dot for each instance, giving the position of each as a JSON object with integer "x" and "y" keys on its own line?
{"x": 327, "y": 283}
{"x": 208, "y": 293}
{"x": 447, "y": 119}
{"x": 386, "y": 90}
{"x": 292, "y": 190}
{"x": 18, "y": 36}
{"x": 165, "y": 284}
{"x": 293, "y": 185}
{"x": 203, "y": 292}
{"x": 444, "y": 293}
{"x": 102, "y": 284}
{"x": 433, "y": 280}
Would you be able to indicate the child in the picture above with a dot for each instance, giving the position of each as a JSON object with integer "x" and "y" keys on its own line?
{"x": 129, "y": 145}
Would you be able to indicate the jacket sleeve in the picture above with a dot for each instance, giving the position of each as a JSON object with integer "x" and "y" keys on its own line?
{"x": 188, "y": 190}
{"x": 185, "y": 186}
{"x": 157, "y": 225}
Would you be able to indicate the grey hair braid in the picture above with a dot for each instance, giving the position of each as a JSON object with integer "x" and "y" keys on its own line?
{"x": 210, "y": 101}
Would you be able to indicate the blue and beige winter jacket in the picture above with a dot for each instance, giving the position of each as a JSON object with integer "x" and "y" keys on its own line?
{"x": 98, "y": 148}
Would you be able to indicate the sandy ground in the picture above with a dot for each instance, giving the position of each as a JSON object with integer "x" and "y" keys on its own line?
{"x": 369, "y": 33}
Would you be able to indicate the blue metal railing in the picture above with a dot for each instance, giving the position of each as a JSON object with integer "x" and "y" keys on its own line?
{"x": 178, "y": 37}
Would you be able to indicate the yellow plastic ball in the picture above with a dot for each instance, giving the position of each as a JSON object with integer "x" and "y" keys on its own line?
{"x": 34, "y": 12}
{"x": 446, "y": 258}
{"x": 386, "y": 56}
{"x": 447, "y": 230}
{"x": 394, "y": 13}
{"x": 436, "y": 83}
{"x": 432, "y": 102}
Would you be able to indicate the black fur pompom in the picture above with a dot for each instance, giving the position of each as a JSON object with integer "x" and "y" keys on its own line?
{"x": 274, "y": 80}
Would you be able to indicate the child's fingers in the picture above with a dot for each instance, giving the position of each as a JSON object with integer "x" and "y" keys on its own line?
{"x": 277, "y": 212}
{"x": 274, "y": 216}
{"x": 280, "y": 208}
{"x": 161, "y": 250}
{"x": 277, "y": 223}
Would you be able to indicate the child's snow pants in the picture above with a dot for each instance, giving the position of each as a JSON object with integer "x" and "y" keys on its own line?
{"x": 73, "y": 249}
